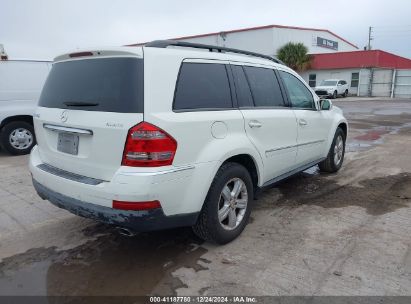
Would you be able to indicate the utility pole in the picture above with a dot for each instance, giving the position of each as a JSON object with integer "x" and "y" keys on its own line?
{"x": 369, "y": 37}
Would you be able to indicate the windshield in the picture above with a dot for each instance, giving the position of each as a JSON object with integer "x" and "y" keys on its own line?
{"x": 328, "y": 83}
{"x": 105, "y": 85}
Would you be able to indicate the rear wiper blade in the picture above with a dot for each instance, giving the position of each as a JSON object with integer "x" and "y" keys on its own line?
{"x": 80, "y": 104}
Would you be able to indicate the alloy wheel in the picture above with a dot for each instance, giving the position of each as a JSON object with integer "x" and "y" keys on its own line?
{"x": 232, "y": 204}
{"x": 338, "y": 150}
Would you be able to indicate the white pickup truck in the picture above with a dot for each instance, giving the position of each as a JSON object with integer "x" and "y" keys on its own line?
{"x": 21, "y": 82}
{"x": 332, "y": 88}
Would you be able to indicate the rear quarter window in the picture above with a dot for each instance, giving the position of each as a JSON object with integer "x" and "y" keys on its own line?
{"x": 106, "y": 85}
{"x": 244, "y": 97}
{"x": 202, "y": 86}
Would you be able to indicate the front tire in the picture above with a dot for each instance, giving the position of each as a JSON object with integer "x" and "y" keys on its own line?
{"x": 227, "y": 207}
{"x": 334, "y": 96}
{"x": 17, "y": 137}
{"x": 335, "y": 156}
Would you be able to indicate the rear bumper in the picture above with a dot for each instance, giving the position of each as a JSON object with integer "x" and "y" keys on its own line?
{"x": 181, "y": 192}
{"x": 136, "y": 220}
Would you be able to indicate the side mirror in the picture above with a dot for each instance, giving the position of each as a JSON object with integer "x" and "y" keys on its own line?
{"x": 325, "y": 104}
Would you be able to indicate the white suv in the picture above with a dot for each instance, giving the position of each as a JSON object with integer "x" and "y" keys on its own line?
{"x": 176, "y": 134}
{"x": 332, "y": 88}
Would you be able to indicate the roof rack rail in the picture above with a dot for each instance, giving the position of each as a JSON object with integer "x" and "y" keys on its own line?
{"x": 211, "y": 48}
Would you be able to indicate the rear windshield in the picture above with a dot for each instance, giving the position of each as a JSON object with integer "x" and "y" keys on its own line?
{"x": 105, "y": 85}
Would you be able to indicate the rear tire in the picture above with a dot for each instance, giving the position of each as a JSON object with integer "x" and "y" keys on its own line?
{"x": 345, "y": 93}
{"x": 225, "y": 214}
{"x": 335, "y": 156}
{"x": 17, "y": 137}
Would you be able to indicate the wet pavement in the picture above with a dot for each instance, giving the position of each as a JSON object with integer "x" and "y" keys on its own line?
{"x": 313, "y": 234}
{"x": 111, "y": 265}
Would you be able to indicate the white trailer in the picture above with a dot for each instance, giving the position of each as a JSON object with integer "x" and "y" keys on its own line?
{"x": 21, "y": 82}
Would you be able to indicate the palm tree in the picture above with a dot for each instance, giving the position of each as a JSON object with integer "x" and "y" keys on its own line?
{"x": 295, "y": 56}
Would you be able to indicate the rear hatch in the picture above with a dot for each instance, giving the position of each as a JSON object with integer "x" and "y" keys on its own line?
{"x": 86, "y": 108}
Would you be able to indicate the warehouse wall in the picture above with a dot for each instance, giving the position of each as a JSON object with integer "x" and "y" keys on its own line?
{"x": 269, "y": 40}
{"x": 381, "y": 82}
{"x": 333, "y": 74}
{"x": 375, "y": 82}
{"x": 364, "y": 89}
{"x": 260, "y": 41}
{"x": 309, "y": 39}
{"x": 403, "y": 84}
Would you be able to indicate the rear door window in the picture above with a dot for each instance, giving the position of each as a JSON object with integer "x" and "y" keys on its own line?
{"x": 202, "y": 86}
{"x": 105, "y": 85}
{"x": 265, "y": 88}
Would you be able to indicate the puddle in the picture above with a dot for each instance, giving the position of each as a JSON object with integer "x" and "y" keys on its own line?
{"x": 111, "y": 265}
{"x": 372, "y": 132}
{"x": 377, "y": 196}
{"x": 372, "y": 135}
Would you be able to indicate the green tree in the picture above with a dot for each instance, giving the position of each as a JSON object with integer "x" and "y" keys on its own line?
{"x": 295, "y": 56}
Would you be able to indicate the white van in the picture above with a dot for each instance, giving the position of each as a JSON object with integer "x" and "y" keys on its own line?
{"x": 21, "y": 82}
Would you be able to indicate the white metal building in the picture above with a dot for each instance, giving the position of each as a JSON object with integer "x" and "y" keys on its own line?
{"x": 368, "y": 73}
{"x": 268, "y": 39}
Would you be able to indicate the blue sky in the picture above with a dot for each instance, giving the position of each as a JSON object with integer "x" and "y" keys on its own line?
{"x": 42, "y": 29}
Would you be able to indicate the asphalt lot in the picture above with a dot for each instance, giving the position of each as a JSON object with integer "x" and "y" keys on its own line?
{"x": 314, "y": 234}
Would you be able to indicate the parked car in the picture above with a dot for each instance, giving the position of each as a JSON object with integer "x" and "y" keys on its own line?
{"x": 154, "y": 137}
{"x": 332, "y": 88}
{"x": 21, "y": 82}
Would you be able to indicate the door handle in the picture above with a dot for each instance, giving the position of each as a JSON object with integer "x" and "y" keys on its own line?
{"x": 254, "y": 124}
{"x": 303, "y": 122}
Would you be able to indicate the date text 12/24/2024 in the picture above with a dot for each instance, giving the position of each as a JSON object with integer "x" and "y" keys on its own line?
{"x": 204, "y": 299}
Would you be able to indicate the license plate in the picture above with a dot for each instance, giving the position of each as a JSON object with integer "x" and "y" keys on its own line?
{"x": 68, "y": 143}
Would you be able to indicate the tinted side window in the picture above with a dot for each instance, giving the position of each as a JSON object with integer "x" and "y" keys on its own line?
{"x": 242, "y": 88}
{"x": 300, "y": 96}
{"x": 202, "y": 86}
{"x": 264, "y": 86}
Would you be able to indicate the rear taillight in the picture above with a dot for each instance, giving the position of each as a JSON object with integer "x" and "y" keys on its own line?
{"x": 148, "y": 146}
{"x": 136, "y": 206}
